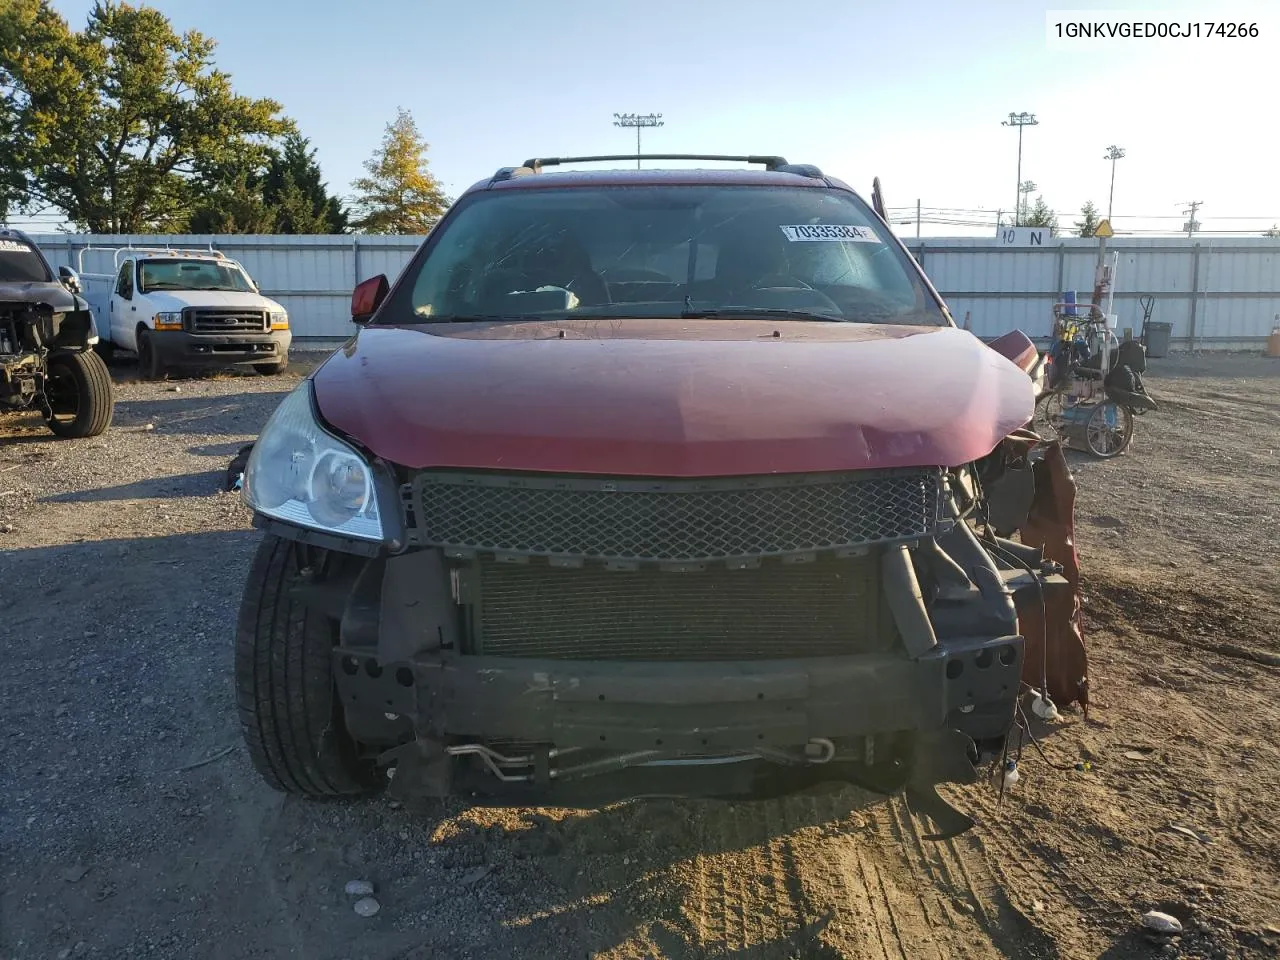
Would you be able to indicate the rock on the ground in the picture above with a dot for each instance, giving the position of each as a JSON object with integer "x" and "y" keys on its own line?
{"x": 367, "y": 907}
{"x": 1161, "y": 922}
{"x": 359, "y": 888}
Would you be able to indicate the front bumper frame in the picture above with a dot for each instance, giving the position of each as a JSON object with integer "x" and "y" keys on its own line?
{"x": 961, "y": 692}
{"x": 970, "y": 685}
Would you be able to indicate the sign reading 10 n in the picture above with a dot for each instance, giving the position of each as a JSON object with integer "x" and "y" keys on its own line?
{"x": 1023, "y": 236}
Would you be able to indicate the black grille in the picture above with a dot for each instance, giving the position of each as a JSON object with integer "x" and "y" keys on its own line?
{"x": 214, "y": 320}
{"x": 825, "y": 608}
{"x": 682, "y": 521}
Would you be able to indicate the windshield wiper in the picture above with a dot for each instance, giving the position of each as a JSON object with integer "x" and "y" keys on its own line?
{"x": 484, "y": 318}
{"x": 763, "y": 313}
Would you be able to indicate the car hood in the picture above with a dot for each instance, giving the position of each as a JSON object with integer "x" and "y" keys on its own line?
{"x": 672, "y": 398}
{"x": 175, "y": 300}
{"x": 54, "y": 294}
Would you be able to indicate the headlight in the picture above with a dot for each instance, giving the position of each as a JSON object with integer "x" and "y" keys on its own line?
{"x": 301, "y": 474}
{"x": 168, "y": 321}
{"x": 279, "y": 320}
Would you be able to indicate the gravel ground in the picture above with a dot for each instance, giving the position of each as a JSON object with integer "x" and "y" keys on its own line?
{"x": 133, "y": 825}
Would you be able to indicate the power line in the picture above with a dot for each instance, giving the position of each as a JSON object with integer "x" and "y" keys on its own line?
{"x": 982, "y": 211}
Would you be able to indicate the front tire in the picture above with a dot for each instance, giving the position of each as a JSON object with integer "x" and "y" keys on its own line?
{"x": 80, "y": 395}
{"x": 271, "y": 369}
{"x": 149, "y": 366}
{"x": 290, "y": 715}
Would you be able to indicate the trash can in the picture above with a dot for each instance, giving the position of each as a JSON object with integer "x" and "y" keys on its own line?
{"x": 1156, "y": 338}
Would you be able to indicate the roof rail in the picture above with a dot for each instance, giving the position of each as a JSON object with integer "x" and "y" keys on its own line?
{"x": 161, "y": 251}
{"x": 510, "y": 173}
{"x": 801, "y": 170}
{"x": 770, "y": 163}
{"x": 169, "y": 252}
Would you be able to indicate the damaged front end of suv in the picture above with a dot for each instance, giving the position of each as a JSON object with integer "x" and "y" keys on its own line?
{"x": 564, "y": 562}
{"x": 47, "y": 362}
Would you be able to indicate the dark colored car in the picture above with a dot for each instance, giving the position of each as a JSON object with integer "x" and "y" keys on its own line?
{"x": 47, "y": 362}
{"x": 645, "y": 483}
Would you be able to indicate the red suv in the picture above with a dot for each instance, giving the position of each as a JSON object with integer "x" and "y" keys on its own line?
{"x": 661, "y": 482}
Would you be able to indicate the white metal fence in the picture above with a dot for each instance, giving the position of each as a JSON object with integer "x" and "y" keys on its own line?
{"x": 1216, "y": 293}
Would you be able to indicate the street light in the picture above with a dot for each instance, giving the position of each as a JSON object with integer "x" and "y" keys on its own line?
{"x": 1019, "y": 120}
{"x": 1025, "y": 189}
{"x": 639, "y": 121}
{"x": 1114, "y": 153}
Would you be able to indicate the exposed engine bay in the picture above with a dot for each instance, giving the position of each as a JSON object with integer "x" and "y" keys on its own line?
{"x": 29, "y": 332}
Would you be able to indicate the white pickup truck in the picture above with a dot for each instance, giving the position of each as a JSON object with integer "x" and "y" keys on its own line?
{"x": 185, "y": 308}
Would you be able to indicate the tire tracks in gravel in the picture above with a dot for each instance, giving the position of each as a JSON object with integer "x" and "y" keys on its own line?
{"x": 821, "y": 877}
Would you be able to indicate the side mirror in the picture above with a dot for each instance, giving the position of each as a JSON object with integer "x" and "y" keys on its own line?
{"x": 367, "y": 297}
{"x": 70, "y": 279}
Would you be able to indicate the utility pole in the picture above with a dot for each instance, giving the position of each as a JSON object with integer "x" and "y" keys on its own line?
{"x": 917, "y": 219}
{"x": 1114, "y": 153}
{"x": 1019, "y": 120}
{"x": 639, "y": 121}
{"x": 1192, "y": 224}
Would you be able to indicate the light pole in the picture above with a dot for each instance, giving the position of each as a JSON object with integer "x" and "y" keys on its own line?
{"x": 1019, "y": 120}
{"x": 639, "y": 121}
{"x": 1114, "y": 153}
{"x": 1025, "y": 190}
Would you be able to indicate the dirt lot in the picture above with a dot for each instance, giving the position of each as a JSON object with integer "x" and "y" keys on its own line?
{"x": 121, "y": 564}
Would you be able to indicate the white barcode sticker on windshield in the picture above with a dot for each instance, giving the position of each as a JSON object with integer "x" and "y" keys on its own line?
{"x": 830, "y": 231}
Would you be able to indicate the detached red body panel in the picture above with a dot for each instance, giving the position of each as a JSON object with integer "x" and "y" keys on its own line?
{"x": 1055, "y": 648}
{"x": 1017, "y": 347}
{"x": 672, "y": 398}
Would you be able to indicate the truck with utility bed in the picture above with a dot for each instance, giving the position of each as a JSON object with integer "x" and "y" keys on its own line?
{"x": 47, "y": 335}
{"x": 655, "y": 482}
{"x": 185, "y": 308}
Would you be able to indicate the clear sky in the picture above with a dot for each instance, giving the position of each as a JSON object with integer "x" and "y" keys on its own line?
{"x": 911, "y": 91}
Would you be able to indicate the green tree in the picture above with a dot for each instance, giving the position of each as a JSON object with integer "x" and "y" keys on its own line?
{"x": 1088, "y": 225}
{"x": 294, "y": 186}
{"x": 237, "y": 206}
{"x": 1273, "y": 232}
{"x": 282, "y": 193}
{"x": 120, "y": 125}
{"x": 400, "y": 194}
{"x": 1041, "y": 215}
{"x": 13, "y": 180}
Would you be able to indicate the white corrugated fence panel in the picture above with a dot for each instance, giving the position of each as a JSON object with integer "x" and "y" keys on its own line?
{"x": 1233, "y": 301}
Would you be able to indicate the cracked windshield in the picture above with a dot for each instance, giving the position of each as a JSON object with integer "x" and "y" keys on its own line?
{"x": 668, "y": 251}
